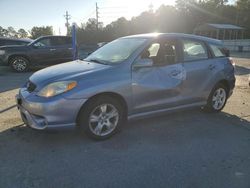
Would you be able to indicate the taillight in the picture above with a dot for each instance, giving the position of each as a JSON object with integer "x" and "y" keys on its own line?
{"x": 232, "y": 62}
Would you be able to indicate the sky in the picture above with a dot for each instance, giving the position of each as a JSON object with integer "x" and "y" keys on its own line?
{"x": 28, "y": 13}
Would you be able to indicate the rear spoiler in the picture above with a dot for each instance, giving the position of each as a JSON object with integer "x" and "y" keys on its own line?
{"x": 226, "y": 51}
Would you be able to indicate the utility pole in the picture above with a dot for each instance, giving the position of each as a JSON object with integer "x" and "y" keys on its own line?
{"x": 67, "y": 17}
{"x": 97, "y": 15}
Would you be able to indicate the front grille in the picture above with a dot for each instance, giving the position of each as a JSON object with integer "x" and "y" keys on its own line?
{"x": 30, "y": 86}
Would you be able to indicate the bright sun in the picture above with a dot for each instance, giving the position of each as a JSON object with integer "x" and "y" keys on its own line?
{"x": 129, "y": 8}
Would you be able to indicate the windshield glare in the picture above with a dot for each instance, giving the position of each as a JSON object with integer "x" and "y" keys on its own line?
{"x": 116, "y": 51}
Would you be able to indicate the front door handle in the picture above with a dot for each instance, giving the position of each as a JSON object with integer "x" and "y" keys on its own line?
{"x": 52, "y": 49}
{"x": 211, "y": 66}
{"x": 70, "y": 48}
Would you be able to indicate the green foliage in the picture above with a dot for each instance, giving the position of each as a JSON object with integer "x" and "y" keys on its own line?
{"x": 243, "y": 14}
{"x": 22, "y": 33}
{"x": 41, "y": 31}
{"x": 3, "y": 32}
{"x": 183, "y": 17}
{"x": 12, "y": 33}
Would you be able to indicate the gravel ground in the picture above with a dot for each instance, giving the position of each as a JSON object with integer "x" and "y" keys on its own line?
{"x": 184, "y": 149}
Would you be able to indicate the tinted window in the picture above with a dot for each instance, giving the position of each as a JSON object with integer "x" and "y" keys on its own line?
{"x": 194, "y": 50}
{"x": 21, "y": 43}
{"x": 170, "y": 55}
{"x": 43, "y": 42}
{"x": 61, "y": 41}
{"x": 217, "y": 50}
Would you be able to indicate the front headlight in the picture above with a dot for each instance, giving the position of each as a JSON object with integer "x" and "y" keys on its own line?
{"x": 57, "y": 88}
{"x": 2, "y": 52}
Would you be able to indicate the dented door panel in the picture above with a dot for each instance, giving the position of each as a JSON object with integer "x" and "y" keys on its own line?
{"x": 157, "y": 87}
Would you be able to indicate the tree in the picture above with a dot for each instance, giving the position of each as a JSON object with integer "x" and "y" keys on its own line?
{"x": 41, "y": 31}
{"x": 91, "y": 25}
{"x": 183, "y": 17}
{"x": 22, "y": 33}
{"x": 2, "y": 32}
{"x": 12, "y": 32}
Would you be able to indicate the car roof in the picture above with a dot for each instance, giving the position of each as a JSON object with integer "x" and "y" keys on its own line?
{"x": 48, "y": 36}
{"x": 178, "y": 35}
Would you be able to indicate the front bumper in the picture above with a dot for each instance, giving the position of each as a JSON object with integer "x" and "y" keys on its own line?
{"x": 3, "y": 60}
{"x": 40, "y": 113}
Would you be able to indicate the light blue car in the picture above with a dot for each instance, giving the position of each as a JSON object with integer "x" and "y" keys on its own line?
{"x": 131, "y": 77}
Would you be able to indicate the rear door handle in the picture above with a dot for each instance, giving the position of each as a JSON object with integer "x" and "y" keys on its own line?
{"x": 70, "y": 48}
{"x": 52, "y": 49}
{"x": 175, "y": 73}
{"x": 211, "y": 66}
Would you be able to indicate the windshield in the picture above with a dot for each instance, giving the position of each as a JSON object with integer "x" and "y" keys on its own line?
{"x": 116, "y": 51}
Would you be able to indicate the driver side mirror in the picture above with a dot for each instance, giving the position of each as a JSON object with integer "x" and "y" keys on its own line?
{"x": 34, "y": 46}
{"x": 143, "y": 63}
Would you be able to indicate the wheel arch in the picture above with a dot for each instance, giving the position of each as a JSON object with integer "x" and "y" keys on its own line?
{"x": 226, "y": 84}
{"x": 113, "y": 95}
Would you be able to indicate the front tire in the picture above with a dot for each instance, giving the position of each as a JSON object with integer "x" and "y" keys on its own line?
{"x": 19, "y": 64}
{"x": 102, "y": 117}
{"x": 217, "y": 98}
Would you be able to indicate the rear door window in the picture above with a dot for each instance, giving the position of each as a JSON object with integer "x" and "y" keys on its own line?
{"x": 61, "y": 41}
{"x": 194, "y": 50}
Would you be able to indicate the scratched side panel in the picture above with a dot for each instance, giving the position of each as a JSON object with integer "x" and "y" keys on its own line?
{"x": 157, "y": 87}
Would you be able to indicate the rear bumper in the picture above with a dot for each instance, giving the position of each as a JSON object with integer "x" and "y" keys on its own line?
{"x": 56, "y": 113}
{"x": 231, "y": 86}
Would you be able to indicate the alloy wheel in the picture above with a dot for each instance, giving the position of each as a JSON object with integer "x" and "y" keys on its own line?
{"x": 103, "y": 119}
{"x": 219, "y": 98}
{"x": 19, "y": 64}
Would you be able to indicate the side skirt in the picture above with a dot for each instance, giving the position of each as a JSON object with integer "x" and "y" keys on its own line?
{"x": 164, "y": 111}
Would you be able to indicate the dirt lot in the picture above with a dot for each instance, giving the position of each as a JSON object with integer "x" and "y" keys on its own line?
{"x": 185, "y": 149}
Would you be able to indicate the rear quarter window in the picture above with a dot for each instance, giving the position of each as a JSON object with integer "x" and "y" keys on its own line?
{"x": 217, "y": 50}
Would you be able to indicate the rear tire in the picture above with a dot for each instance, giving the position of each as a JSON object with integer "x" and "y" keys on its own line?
{"x": 101, "y": 118}
{"x": 19, "y": 64}
{"x": 217, "y": 98}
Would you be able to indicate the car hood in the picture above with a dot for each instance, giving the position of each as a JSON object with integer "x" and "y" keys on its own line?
{"x": 65, "y": 71}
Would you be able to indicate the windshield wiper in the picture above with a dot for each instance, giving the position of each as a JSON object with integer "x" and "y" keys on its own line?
{"x": 96, "y": 61}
